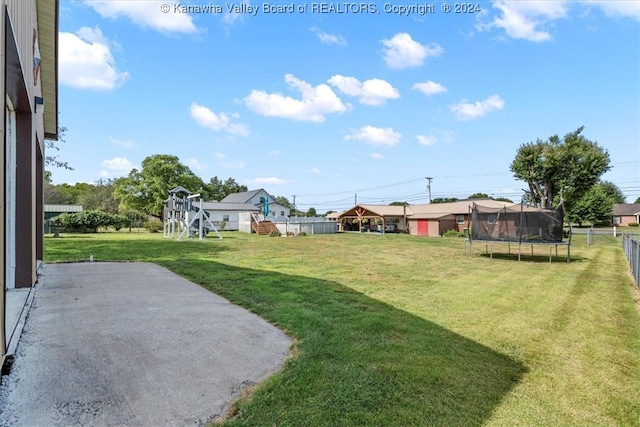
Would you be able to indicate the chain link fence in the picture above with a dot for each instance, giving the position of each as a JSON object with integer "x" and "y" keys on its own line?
{"x": 631, "y": 248}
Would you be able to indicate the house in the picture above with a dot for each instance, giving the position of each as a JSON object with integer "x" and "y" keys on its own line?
{"x": 29, "y": 86}
{"x": 257, "y": 202}
{"x": 52, "y": 211}
{"x": 623, "y": 214}
{"x": 420, "y": 220}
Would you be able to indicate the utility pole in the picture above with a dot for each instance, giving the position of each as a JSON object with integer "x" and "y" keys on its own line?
{"x": 294, "y": 204}
{"x": 355, "y": 200}
{"x": 429, "y": 187}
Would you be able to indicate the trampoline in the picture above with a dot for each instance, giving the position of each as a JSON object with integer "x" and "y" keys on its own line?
{"x": 518, "y": 224}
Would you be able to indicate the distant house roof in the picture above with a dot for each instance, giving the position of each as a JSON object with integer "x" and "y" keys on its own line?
{"x": 334, "y": 215}
{"x": 224, "y": 206}
{"x": 62, "y": 208}
{"x": 243, "y": 197}
{"x": 625, "y": 209}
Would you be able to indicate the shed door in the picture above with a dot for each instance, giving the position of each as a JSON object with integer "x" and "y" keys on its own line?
{"x": 423, "y": 227}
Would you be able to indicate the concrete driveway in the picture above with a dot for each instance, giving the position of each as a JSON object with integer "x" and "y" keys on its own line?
{"x": 133, "y": 344}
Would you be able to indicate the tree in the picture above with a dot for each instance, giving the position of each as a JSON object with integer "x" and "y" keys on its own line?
{"x": 100, "y": 197}
{"x": 479, "y": 196}
{"x": 311, "y": 212}
{"x": 50, "y": 160}
{"x": 217, "y": 189}
{"x": 594, "y": 206}
{"x": 560, "y": 169}
{"x": 399, "y": 204}
{"x": 637, "y": 200}
{"x": 146, "y": 190}
{"x": 283, "y": 201}
{"x": 503, "y": 199}
{"x": 444, "y": 200}
{"x": 613, "y": 191}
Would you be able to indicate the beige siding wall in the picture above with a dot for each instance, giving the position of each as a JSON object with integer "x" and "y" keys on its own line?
{"x": 23, "y": 17}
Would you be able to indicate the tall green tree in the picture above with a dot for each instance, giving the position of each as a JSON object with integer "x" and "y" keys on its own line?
{"x": 283, "y": 201}
{"x": 613, "y": 191}
{"x": 216, "y": 189}
{"x": 593, "y": 207}
{"x": 100, "y": 197}
{"x": 560, "y": 168}
{"x": 145, "y": 190}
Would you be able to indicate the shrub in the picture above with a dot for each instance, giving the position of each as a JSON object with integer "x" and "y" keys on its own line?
{"x": 302, "y": 233}
{"x": 119, "y": 221}
{"x": 633, "y": 224}
{"x": 153, "y": 226}
{"x": 290, "y": 233}
{"x": 452, "y": 233}
{"x": 83, "y": 222}
{"x": 275, "y": 233}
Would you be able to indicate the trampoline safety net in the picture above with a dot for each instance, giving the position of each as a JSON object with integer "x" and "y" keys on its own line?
{"x": 517, "y": 223}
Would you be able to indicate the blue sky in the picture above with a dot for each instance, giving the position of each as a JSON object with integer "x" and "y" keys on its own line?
{"x": 338, "y": 99}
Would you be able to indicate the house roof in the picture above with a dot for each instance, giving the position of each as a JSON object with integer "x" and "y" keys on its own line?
{"x": 430, "y": 211}
{"x": 624, "y": 209}
{"x": 242, "y": 197}
{"x": 224, "y": 206}
{"x": 62, "y": 208}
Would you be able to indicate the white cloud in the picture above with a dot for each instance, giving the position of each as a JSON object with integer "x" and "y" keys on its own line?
{"x": 273, "y": 152}
{"x": 526, "y": 19}
{"x": 218, "y": 122}
{"x": 314, "y": 170}
{"x": 312, "y": 107}
{"x": 426, "y": 139}
{"x": 376, "y": 136}
{"x": 612, "y": 8}
{"x": 271, "y": 180}
{"x": 85, "y": 61}
{"x": 370, "y": 92}
{"x": 376, "y": 156}
{"x": 194, "y": 164}
{"x": 147, "y": 14}
{"x": 121, "y": 143}
{"x": 118, "y": 166}
{"x": 327, "y": 38}
{"x": 465, "y": 111}
{"x": 429, "y": 87}
{"x": 402, "y": 51}
{"x": 219, "y": 155}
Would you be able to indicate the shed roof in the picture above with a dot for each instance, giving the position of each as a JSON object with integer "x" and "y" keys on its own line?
{"x": 62, "y": 208}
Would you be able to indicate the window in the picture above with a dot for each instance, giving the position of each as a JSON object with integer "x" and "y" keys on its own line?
{"x": 225, "y": 217}
{"x": 616, "y": 220}
{"x": 281, "y": 213}
{"x": 459, "y": 219}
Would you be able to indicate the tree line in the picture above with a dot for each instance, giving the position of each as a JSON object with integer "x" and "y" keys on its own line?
{"x": 559, "y": 172}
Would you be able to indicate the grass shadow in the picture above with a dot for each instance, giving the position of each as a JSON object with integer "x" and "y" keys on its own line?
{"x": 359, "y": 361}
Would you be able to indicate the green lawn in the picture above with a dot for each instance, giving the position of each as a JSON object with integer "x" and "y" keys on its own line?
{"x": 403, "y": 330}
